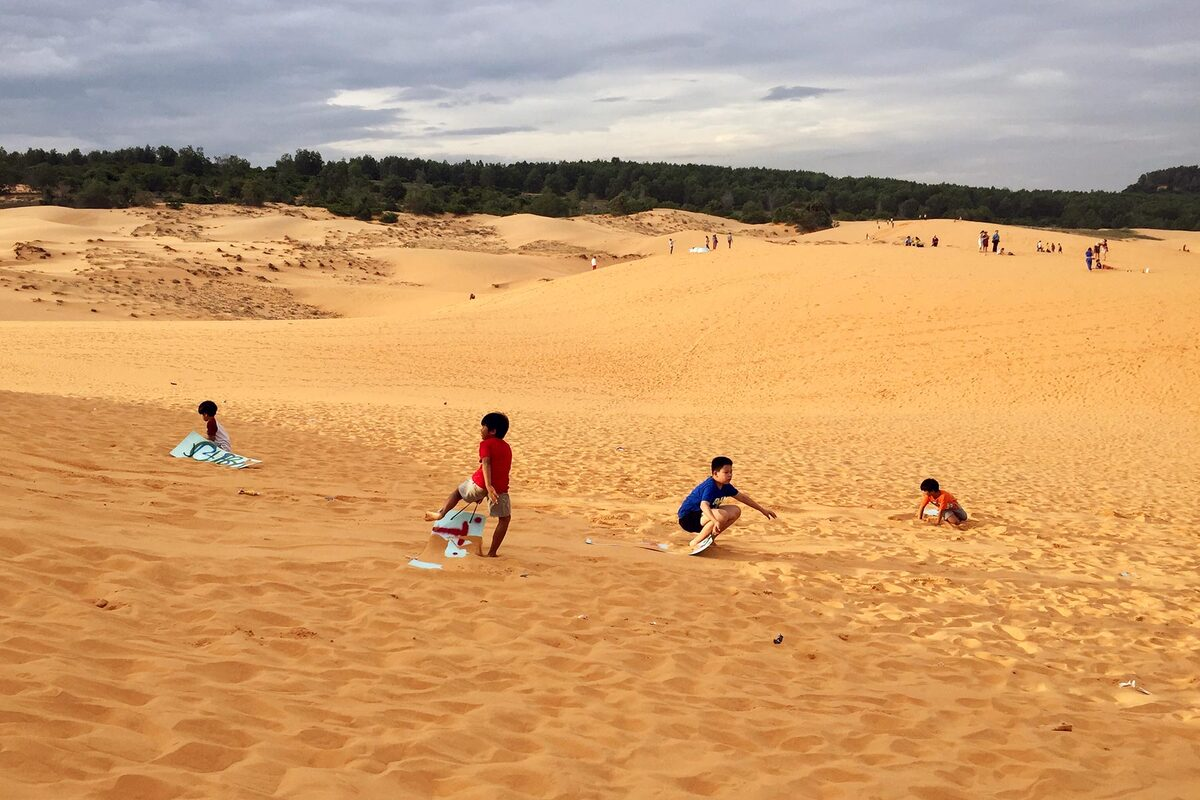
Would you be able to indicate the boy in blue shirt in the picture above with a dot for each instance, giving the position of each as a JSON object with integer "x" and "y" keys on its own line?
{"x": 702, "y": 513}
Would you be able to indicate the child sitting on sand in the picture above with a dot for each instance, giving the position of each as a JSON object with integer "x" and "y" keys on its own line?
{"x": 702, "y": 514}
{"x": 947, "y": 506}
{"x": 213, "y": 430}
{"x": 490, "y": 480}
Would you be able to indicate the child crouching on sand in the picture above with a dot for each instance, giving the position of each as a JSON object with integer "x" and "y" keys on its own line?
{"x": 947, "y": 506}
{"x": 702, "y": 514}
{"x": 490, "y": 480}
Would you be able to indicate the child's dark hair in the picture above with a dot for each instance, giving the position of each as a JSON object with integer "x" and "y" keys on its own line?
{"x": 721, "y": 461}
{"x": 930, "y": 485}
{"x": 495, "y": 422}
{"x": 208, "y": 407}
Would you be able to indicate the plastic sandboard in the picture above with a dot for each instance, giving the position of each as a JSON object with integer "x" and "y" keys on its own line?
{"x": 705, "y": 543}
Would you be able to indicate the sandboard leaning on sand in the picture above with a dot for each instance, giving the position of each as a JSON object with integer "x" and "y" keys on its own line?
{"x": 197, "y": 448}
{"x": 455, "y": 536}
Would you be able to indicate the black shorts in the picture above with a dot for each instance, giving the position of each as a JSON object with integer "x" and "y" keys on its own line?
{"x": 692, "y": 522}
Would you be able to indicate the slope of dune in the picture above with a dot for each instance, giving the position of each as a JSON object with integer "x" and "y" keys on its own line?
{"x": 176, "y": 630}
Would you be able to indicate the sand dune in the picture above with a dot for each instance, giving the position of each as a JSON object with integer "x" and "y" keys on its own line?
{"x": 167, "y": 634}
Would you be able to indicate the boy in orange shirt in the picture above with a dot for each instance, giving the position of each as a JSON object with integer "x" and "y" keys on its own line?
{"x": 947, "y": 506}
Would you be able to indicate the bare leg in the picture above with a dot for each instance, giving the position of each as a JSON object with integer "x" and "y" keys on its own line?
{"x": 725, "y": 517}
{"x": 699, "y": 537}
{"x": 454, "y": 499}
{"x": 498, "y": 536}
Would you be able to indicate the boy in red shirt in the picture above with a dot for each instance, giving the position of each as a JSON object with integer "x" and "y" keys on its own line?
{"x": 490, "y": 480}
{"x": 947, "y": 506}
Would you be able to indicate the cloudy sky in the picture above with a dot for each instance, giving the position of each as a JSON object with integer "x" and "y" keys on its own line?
{"x": 1072, "y": 94}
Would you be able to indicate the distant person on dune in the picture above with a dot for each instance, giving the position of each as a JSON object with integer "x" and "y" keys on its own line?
{"x": 947, "y": 506}
{"x": 593, "y": 262}
{"x": 729, "y": 240}
{"x": 702, "y": 512}
{"x": 995, "y": 241}
{"x": 1087, "y": 258}
{"x": 489, "y": 481}
{"x": 934, "y": 241}
{"x": 670, "y": 247}
{"x": 213, "y": 431}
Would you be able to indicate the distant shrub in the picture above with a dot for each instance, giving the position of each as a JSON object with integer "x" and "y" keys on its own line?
{"x": 95, "y": 194}
{"x": 548, "y": 204}
{"x": 389, "y": 217}
{"x": 754, "y": 213}
{"x": 423, "y": 200}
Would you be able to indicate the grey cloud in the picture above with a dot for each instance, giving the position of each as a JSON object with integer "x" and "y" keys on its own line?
{"x": 795, "y": 92}
{"x": 486, "y": 98}
{"x": 970, "y": 82}
{"x": 496, "y": 130}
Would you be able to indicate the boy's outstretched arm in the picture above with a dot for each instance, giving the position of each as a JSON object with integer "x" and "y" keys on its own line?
{"x": 742, "y": 497}
{"x": 921, "y": 510}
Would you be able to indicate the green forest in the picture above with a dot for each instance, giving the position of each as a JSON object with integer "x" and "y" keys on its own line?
{"x": 372, "y": 188}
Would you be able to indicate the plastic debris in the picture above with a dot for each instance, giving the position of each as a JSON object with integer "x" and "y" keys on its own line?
{"x": 1065, "y": 728}
{"x": 779, "y": 639}
{"x": 1133, "y": 684}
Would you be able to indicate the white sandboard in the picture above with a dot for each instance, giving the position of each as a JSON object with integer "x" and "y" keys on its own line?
{"x": 197, "y": 448}
{"x": 704, "y": 544}
{"x": 455, "y": 536}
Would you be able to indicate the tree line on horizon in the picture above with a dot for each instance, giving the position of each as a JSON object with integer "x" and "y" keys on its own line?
{"x": 370, "y": 188}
